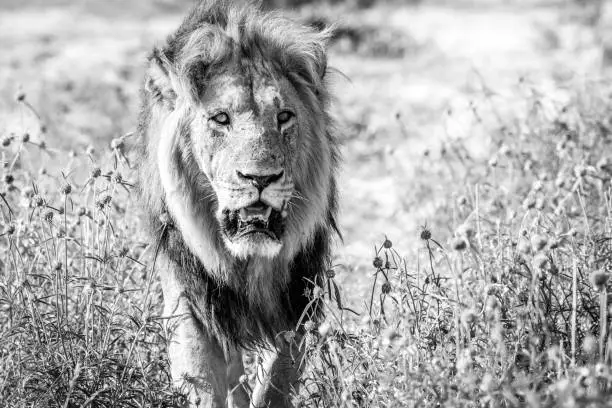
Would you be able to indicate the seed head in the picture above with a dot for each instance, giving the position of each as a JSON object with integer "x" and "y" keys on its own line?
{"x": 42, "y": 145}
{"x": 49, "y": 216}
{"x": 81, "y": 211}
{"x": 459, "y": 244}
{"x": 604, "y": 165}
{"x": 330, "y": 273}
{"x": 57, "y": 266}
{"x": 96, "y": 172}
{"x": 599, "y": 279}
{"x": 580, "y": 171}
{"x": 309, "y": 325}
{"x": 8, "y": 230}
{"x": 529, "y": 203}
{"x": 38, "y": 201}
{"x": 601, "y": 370}
{"x": 6, "y": 141}
{"x": 378, "y": 262}
{"x": 560, "y": 181}
{"x": 20, "y": 96}
{"x": 67, "y": 189}
{"x": 387, "y": 244}
{"x": 462, "y": 200}
{"x": 25, "y": 138}
{"x": 9, "y": 178}
{"x": 118, "y": 178}
{"x": 123, "y": 251}
{"x": 425, "y": 234}
{"x": 386, "y": 288}
{"x": 289, "y": 336}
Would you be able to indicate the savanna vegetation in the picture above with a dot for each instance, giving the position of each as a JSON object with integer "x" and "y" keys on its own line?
{"x": 490, "y": 287}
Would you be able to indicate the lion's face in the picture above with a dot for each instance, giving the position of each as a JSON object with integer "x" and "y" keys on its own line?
{"x": 245, "y": 139}
{"x": 239, "y": 139}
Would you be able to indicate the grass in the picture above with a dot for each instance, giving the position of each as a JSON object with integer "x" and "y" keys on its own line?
{"x": 502, "y": 302}
{"x": 511, "y": 309}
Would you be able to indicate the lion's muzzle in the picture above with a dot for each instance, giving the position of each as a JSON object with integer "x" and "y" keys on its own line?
{"x": 253, "y": 210}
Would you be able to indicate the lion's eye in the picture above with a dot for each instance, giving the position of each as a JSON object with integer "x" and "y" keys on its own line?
{"x": 221, "y": 118}
{"x": 284, "y": 117}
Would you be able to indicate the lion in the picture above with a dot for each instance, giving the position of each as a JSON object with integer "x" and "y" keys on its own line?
{"x": 237, "y": 176}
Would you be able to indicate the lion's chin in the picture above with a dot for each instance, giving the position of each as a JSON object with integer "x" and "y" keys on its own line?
{"x": 255, "y": 244}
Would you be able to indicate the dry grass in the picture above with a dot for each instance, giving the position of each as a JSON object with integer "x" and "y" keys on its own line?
{"x": 510, "y": 310}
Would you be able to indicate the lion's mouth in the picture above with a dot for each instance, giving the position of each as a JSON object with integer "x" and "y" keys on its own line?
{"x": 257, "y": 218}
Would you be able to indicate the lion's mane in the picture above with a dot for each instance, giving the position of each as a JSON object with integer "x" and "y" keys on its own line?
{"x": 237, "y": 312}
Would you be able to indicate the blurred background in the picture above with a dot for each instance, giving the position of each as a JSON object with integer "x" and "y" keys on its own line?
{"x": 409, "y": 76}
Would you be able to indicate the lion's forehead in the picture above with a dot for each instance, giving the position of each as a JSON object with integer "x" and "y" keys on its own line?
{"x": 244, "y": 92}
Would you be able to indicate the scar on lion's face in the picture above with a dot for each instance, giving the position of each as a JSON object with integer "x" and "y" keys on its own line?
{"x": 244, "y": 137}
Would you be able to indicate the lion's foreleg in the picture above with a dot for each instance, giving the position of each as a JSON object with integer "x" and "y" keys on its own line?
{"x": 277, "y": 377}
{"x": 238, "y": 396}
{"x": 197, "y": 361}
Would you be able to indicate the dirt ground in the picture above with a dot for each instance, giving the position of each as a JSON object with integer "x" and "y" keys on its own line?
{"x": 81, "y": 63}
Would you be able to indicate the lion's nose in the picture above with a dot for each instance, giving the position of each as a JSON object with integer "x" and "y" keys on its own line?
{"x": 261, "y": 181}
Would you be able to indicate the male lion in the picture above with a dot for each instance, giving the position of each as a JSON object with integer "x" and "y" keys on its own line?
{"x": 237, "y": 175}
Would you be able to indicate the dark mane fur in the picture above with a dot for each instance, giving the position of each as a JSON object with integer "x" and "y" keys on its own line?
{"x": 227, "y": 313}
{"x": 296, "y": 52}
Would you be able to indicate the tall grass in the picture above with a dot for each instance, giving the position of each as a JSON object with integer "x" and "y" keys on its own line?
{"x": 79, "y": 322}
{"x": 509, "y": 309}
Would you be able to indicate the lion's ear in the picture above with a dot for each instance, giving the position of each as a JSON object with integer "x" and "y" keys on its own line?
{"x": 321, "y": 64}
{"x": 158, "y": 81}
{"x": 320, "y": 54}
